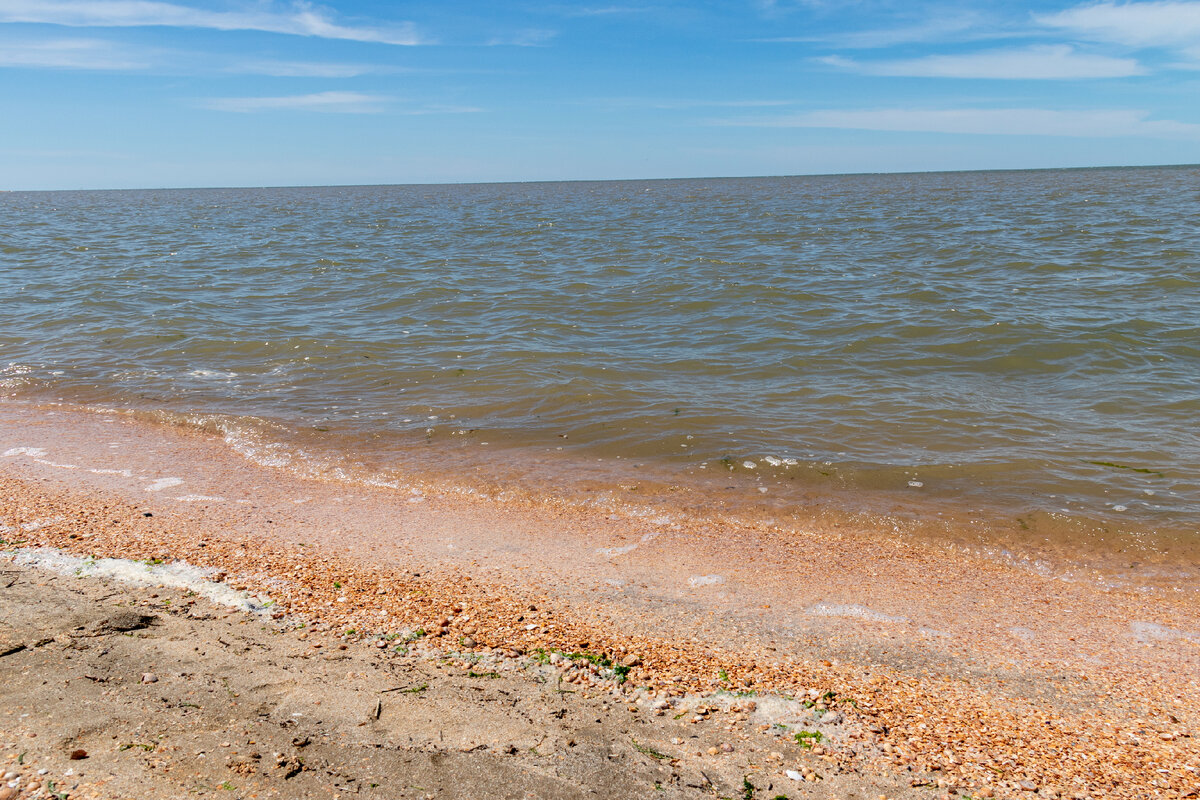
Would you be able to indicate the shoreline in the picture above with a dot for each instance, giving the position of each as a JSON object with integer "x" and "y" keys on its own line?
{"x": 765, "y": 497}
{"x": 1048, "y": 704}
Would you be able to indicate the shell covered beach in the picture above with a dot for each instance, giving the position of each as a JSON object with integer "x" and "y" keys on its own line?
{"x": 822, "y": 662}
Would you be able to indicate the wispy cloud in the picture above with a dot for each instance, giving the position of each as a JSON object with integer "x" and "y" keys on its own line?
{"x": 421, "y": 111}
{"x": 333, "y": 103}
{"x": 603, "y": 11}
{"x": 1153, "y": 24}
{"x": 93, "y": 54}
{"x": 992, "y": 122}
{"x": 680, "y": 103}
{"x": 957, "y": 27}
{"x": 1043, "y": 62}
{"x": 533, "y": 37}
{"x": 298, "y": 19}
{"x": 303, "y": 69}
{"x": 326, "y": 102}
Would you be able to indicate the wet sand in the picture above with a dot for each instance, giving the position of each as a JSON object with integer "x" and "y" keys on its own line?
{"x": 982, "y": 675}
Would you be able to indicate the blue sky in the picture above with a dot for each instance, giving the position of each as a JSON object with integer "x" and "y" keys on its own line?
{"x": 143, "y": 93}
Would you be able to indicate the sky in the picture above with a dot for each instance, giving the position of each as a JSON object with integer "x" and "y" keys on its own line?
{"x": 188, "y": 93}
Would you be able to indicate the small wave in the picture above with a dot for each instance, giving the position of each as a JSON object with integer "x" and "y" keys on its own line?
{"x": 851, "y": 611}
{"x": 177, "y": 575}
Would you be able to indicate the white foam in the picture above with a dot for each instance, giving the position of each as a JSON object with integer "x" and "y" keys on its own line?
{"x": 851, "y": 611}
{"x": 706, "y": 580}
{"x": 38, "y": 524}
{"x": 178, "y": 574}
{"x": 200, "y": 498}
{"x": 612, "y": 552}
{"x": 1150, "y": 631}
{"x": 124, "y": 473}
{"x": 33, "y": 452}
{"x": 55, "y": 464}
{"x": 629, "y": 548}
{"x": 163, "y": 483}
{"x": 212, "y": 373}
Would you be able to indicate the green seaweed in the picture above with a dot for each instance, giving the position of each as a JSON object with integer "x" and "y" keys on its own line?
{"x": 648, "y": 751}
{"x": 1142, "y": 470}
{"x": 599, "y": 659}
{"x": 807, "y": 739}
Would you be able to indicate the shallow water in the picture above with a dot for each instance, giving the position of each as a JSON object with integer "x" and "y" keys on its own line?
{"x": 1018, "y": 344}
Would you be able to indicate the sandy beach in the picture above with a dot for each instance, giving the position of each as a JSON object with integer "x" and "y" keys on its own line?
{"x": 926, "y": 669}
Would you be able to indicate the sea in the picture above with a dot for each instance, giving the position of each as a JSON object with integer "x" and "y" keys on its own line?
{"x": 1005, "y": 358}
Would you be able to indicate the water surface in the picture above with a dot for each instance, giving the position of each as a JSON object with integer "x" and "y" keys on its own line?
{"x": 1021, "y": 345}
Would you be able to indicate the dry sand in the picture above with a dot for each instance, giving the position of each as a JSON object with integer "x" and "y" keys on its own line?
{"x": 924, "y": 666}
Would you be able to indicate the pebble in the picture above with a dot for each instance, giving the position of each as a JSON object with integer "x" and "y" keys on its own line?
{"x": 149, "y": 677}
{"x": 467, "y": 641}
{"x": 631, "y": 660}
{"x": 78, "y": 755}
{"x": 8, "y": 793}
{"x": 794, "y": 775}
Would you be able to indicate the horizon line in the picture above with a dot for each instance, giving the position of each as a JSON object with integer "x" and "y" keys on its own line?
{"x": 605, "y": 180}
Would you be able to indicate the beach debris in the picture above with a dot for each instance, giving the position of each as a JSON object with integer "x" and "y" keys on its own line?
{"x": 121, "y": 621}
{"x": 290, "y": 765}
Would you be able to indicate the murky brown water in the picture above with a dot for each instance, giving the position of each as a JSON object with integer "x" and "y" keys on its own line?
{"x": 968, "y": 354}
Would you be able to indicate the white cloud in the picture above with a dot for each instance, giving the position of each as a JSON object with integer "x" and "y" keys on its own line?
{"x": 421, "y": 111}
{"x": 329, "y": 102}
{"x": 678, "y": 104}
{"x": 959, "y": 27}
{"x": 67, "y": 54}
{"x": 303, "y": 69}
{"x": 527, "y": 38}
{"x": 604, "y": 11}
{"x": 299, "y": 19}
{"x": 1043, "y": 62}
{"x": 993, "y": 122}
{"x": 1154, "y": 24}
